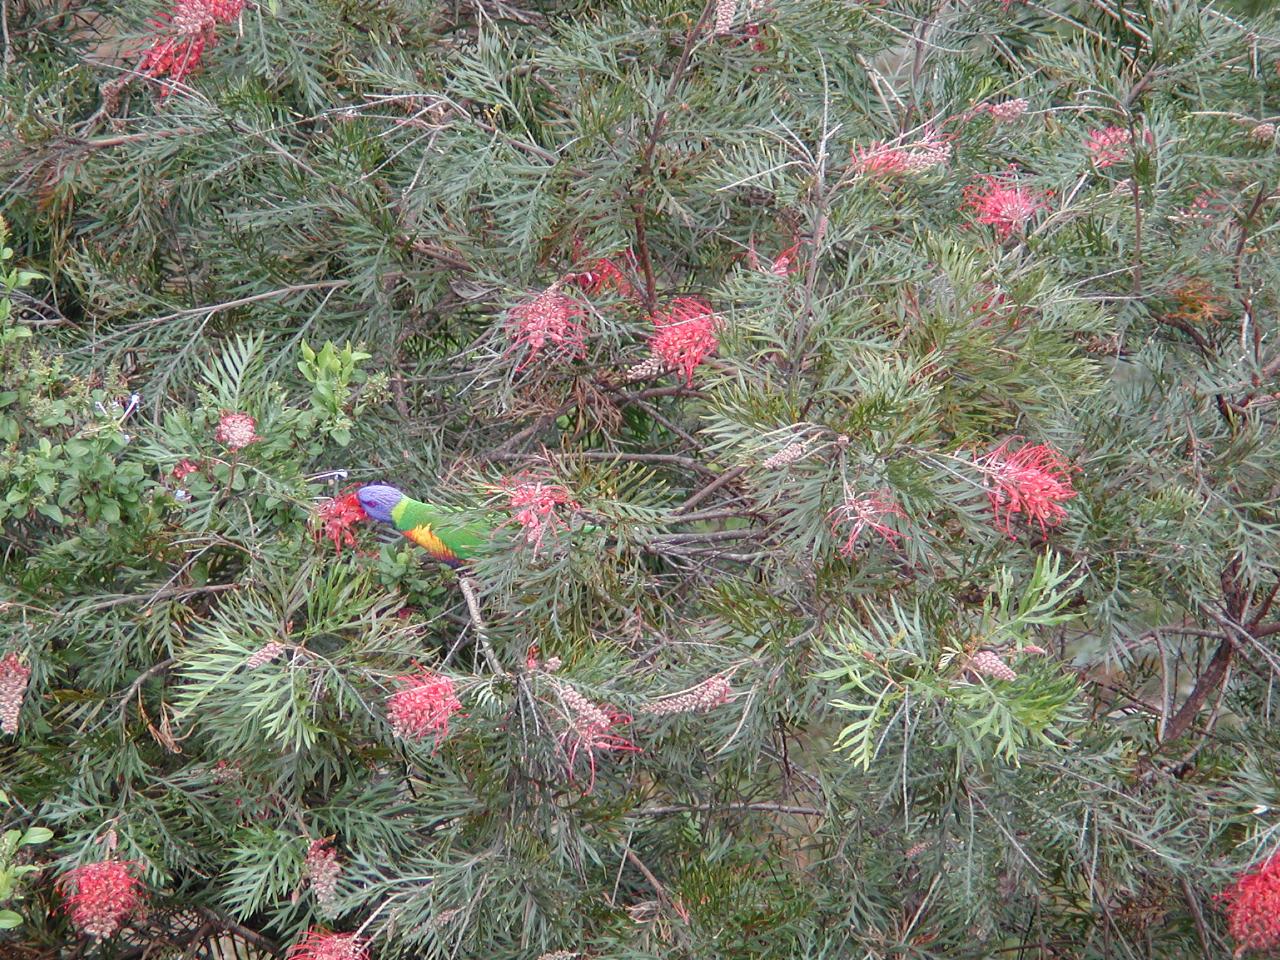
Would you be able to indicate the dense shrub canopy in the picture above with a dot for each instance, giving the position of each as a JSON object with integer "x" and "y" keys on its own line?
{"x": 868, "y": 410}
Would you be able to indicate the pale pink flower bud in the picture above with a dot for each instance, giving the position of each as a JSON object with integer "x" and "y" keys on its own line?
{"x": 788, "y": 454}
{"x": 323, "y": 871}
{"x": 264, "y": 654}
{"x": 707, "y": 695}
{"x": 725, "y": 12}
{"x": 989, "y": 664}
{"x": 1263, "y": 132}
{"x": 14, "y": 677}
{"x": 645, "y": 370}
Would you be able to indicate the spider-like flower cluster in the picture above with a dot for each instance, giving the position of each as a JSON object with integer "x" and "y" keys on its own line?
{"x": 99, "y": 897}
{"x": 886, "y": 160}
{"x": 183, "y": 35}
{"x": 549, "y": 326}
{"x": 1002, "y": 204}
{"x": 536, "y": 505}
{"x": 1253, "y": 907}
{"x": 336, "y": 518}
{"x": 590, "y": 729}
{"x": 422, "y": 706}
{"x": 1034, "y": 480}
{"x": 866, "y": 512}
{"x": 320, "y": 944}
{"x": 685, "y": 334}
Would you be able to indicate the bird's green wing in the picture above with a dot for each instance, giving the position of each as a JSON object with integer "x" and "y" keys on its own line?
{"x": 441, "y": 531}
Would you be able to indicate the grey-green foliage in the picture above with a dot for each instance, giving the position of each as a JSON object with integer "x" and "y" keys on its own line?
{"x": 325, "y": 230}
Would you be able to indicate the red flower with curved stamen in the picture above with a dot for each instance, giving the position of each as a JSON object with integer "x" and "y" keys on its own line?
{"x": 1034, "y": 481}
{"x": 1253, "y": 907}
{"x": 337, "y": 517}
{"x": 100, "y": 896}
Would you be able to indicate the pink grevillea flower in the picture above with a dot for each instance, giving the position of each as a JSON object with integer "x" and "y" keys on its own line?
{"x": 1034, "y": 481}
{"x": 1110, "y": 146}
{"x": 1263, "y": 132}
{"x": 603, "y": 275}
{"x": 707, "y": 695}
{"x": 858, "y": 513}
{"x": 685, "y": 334}
{"x": 1003, "y": 204}
{"x": 184, "y": 469}
{"x": 14, "y": 677}
{"x": 423, "y": 705}
{"x": 783, "y": 265}
{"x": 590, "y": 729}
{"x": 549, "y": 326}
{"x": 536, "y": 505}
{"x": 323, "y": 871}
{"x": 1008, "y": 110}
{"x": 320, "y": 944}
{"x": 182, "y": 36}
{"x": 99, "y": 897}
{"x": 236, "y": 430}
{"x": 336, "y": 518}
{"x": 1253, "y": 907}
{"x": 885, "y": 160}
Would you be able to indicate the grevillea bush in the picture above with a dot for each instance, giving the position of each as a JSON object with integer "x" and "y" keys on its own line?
{"x": 871, "y": 408}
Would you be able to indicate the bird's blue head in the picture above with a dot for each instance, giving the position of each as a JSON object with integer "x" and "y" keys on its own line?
{"x": 379, "y": 500}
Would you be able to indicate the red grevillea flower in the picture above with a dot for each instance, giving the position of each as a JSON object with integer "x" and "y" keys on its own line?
{"x": 856, "y": 514}
{"x": 550, "y": 323}
{"x": 184, "y": 469}
{"x": 1008, "y": 110}
{"x": 337, "y": 517}
{"x": 1003, "y": 204}
{"x": 535, "y": 504}
{"x": 605, "y": 276}
{"x": 1034, "y": 480}
{"x": 884, "y": 160}
{"x": 236, "y": 430}
{"x": 590, "y": 729}
{"x": 1109, "y": 146}
{"x": 320, "y": 944}
{"x": 14, "y": 677}
{"x": 423, "y": 705}
{"x": 100, "y": 896}
{"x": 685, "y": 334}
{"x": 183, "y": 35}
{"x": 1253, "y": 907}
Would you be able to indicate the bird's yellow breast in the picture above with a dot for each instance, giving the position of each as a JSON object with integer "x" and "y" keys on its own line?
{"x": 423, "y": 537}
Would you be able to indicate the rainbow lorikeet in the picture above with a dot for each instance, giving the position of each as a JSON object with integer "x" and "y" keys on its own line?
{"x": 438, "y": 530}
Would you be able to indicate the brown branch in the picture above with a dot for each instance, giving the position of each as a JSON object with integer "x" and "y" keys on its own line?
{"x": 1206, "y": 683}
